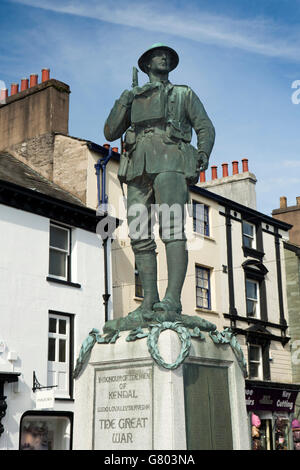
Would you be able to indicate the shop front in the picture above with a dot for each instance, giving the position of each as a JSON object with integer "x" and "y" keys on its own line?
{"x": 270, "y": 408}
{"x": 46, "y": 430}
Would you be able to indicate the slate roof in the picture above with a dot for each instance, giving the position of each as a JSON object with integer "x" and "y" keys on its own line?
{"x": 14, "y": 171}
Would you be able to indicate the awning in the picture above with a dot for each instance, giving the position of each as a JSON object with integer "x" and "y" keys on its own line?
{"x": 273, "y": 396}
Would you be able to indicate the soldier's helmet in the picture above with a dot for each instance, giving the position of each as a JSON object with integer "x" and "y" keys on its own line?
{"x": 144, "y": 57}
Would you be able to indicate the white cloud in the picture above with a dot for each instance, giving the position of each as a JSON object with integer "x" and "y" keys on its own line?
{"x": 257, "y": 35}
{"x": 292, "y": 163}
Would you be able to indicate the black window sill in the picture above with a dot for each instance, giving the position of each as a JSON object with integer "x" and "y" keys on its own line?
{"x": 65, "y": 399}
{"x": 61, "y": 281}
{"x": 255, "y": 321}
{"x": 253, "y": 253}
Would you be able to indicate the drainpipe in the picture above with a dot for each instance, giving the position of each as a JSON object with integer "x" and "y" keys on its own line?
{"x": 106, "y": 295}
{"x": 100, "y": 168}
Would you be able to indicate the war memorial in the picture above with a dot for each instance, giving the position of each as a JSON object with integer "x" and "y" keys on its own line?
{"x": 159, "y": 377}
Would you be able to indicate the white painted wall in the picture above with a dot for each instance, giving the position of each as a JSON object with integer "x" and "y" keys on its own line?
{"x": 26, "y": 298}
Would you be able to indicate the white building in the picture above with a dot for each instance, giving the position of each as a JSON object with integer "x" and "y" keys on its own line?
{"x": 52, "y": 283}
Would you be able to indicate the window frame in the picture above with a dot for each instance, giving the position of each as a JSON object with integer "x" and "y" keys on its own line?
{"x": 260, "y": 375}
{"x": 208, "y": 289}
{"x": 253, "y": 245}
{"x": 69, "y": 352}
{"x": 67, "y": 252}
{"x": 258, "y": 306}
{"x": 205, "y": 222}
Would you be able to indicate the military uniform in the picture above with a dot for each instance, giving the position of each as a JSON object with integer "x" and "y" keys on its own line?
{"x": 159, "y": 162}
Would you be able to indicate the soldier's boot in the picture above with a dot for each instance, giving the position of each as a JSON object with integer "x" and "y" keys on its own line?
{"x": 177, "y": 261}
{"x": 147, "y": 267}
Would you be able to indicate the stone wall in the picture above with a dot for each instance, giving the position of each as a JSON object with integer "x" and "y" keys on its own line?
{"x": 39, "y": 110}
{"x": 70, "y": 162}
{"x": 37, "y": 153}
{"x": 293, "y": 295}
{"x": 290, "y": 215}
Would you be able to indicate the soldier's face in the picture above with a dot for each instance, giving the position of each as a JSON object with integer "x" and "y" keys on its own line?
{"x": 159, "y": 61}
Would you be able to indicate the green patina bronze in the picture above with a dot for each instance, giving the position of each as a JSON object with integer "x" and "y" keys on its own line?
{"x": 158, "y": 165}
{"x": 187, "y": 327}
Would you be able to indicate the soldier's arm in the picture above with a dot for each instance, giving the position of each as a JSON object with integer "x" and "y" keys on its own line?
{"x": 202, "y": 125}
{"x": 118, "y": 120}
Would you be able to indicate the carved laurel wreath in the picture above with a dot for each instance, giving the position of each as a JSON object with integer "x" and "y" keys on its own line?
{"x": 152, "y": 343}
{"x": 186, "y": 329}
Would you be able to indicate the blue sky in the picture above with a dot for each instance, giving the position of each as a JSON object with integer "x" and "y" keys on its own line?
{"x": 240, "y": 57}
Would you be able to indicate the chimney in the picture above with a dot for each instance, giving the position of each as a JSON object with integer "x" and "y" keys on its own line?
{"x": 235, "y": 167}
{"x": 3, "y": 95}
{"x": 298, "y": 200}
{"x": 106, "y": 146}
{"x": 245, "y": 164}
{"x": 37, "y": 110}
{"x": 239, "y": 187}
{"x": 115, "y": 149}
{"x": 202, "y": 176}
{"x": 225, "y": 169}
{"x": 33, "y": 79}
{"x": 45, "y": 75}
{"x": 283, "y": 202}
{"x": 214, "y": 172}
{"x": 14, "y": 89}
{"x": 24, "y": 84}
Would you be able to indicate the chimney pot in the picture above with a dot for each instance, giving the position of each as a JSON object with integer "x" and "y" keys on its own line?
{"x": 3, "y": 94}
{"x": 14, "y": 89}
{"x": 225, "y": 169}
{"x": 298, "y": 200}
{"x": 202, "y": 176}
{"x": 283, "y": 204}
{"x": 24, "y": 84}
{"x": 33, "y": 79}
{"x": 245, "y": 164}
{"x": 235, "y": 167}
{"x": 106, "y": 146}
{"x": 45, "y": 75}
{"x": 115, "y": 149}
{"x": 214, "y": 172}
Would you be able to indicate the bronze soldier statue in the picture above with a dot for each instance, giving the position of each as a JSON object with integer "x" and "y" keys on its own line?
{"x": 158, "y": 165}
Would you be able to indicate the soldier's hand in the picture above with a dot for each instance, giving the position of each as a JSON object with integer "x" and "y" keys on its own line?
{"x": 203, "y": 161}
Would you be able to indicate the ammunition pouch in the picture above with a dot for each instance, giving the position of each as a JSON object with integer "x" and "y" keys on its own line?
{"x": 192, "y": 161}
{"x": 124, "y": 160}
{"x": 147, "y": 106}
{"x": 130, "y": 140}
{"x": 130, "y": 144}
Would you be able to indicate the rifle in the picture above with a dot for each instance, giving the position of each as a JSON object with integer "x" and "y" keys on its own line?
{"x": 135, "y": 82}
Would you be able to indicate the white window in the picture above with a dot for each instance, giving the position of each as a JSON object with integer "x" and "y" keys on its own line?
{"x": 255, "y": 362}
{"x": 252, "y": 298}
{"x": 201, "y": 218}
{"x": 59, "y": 252}
{"x": 203, "y": 291}
{"x": 248, "y": 235}
{"x": 59, "y": 336}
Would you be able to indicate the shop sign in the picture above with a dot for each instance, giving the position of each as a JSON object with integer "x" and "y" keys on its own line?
{"x": 268, "y": 399}
{"x": 44, "y": 399}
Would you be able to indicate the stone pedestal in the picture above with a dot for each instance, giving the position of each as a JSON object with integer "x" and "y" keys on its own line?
{"x": 125, "y": 401}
